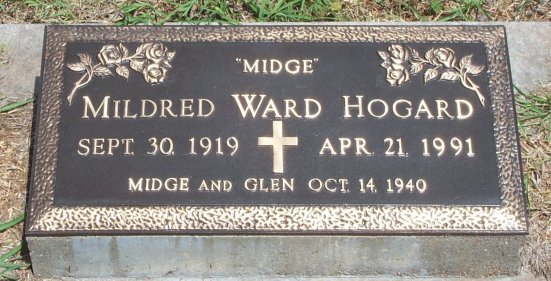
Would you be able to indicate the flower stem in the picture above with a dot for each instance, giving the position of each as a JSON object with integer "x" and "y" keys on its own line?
{"x": 79, "y": 84}
{"x": 130, "y": 57}
{"x": 476, "y": 89}
{"x": 469, "y": 84}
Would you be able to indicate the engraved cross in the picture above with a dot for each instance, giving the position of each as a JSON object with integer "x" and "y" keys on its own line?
{"x": 277, "y": 141}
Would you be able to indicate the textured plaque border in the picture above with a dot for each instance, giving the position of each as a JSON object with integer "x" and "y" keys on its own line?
{"x": 44, "y": 218}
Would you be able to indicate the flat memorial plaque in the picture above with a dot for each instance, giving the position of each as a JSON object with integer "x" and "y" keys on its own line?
{"x": 276, "y": 129}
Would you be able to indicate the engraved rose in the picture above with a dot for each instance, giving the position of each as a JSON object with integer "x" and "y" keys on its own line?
{"x": 395, "y": 62}
{"x": 156, "y": 52}
{"x": 154, "y": 73}
{"x": 398, "y": 54}
{"x": 397, "y": 74}
{"x": 152, "y": 60}
{"x": 402, "y": 61}
{"x": 110, "y": 54}
{"x": 157, "y": 62}
{"x": 441, "y": 56}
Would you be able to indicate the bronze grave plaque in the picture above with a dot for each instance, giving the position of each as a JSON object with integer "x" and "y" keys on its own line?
{"x": 276, "y": 129}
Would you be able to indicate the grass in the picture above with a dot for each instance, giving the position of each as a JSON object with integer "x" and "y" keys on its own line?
{"x": 14, "y": 105}
{"x": 14, "y": 145}
{"x": 534, "y": 111}
{"x": 280, "y": 10}
{"x": 60, "y": 10}
{"x": 467, "y": 10}
{"x": 534, "y": 120}
{"x": 435, "y": 10}
{"x": 232, "y": 12}
{"x": 143, "y": 12}
{"x": 11, "y": 260}
{"x": 125, "y": 12}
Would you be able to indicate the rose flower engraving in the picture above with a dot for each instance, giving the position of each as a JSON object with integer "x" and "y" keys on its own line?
{"x": 402, "y": 61}
{"x": 110, "y": 55}
{"x": 152, "y": 60}
{"x": 396, "y": 67}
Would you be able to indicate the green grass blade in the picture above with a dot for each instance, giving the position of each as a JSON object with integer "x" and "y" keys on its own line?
{"x": 12, "y": 266}
{"x": 11, "y": 252}
{"x": 8, "y": 267}
{"x": 8, "y": 276}
{"x": 12, "y": 106}
{"x": 12, "y": 222}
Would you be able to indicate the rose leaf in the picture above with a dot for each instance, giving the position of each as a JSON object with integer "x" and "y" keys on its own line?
{"x": 429, "y": 55}
{"x": 166, "y": 64}
{"x": 465, "y": 61}
{"x": 414, "y": 53}
{"x": 170, "y": 55}
{"x": 123, "y": 71}
{"x": 474, "y": 69}
{"x": 430, "y": 74}
{"x": 102, "y": 71}
{"x": 416, "y": 67}
{"x": 417, "y": 60}
{"x": 79, "y": 66}
{"x": 124, "y": 50}
{"x": 85, "y": 59}
{"x": 383, "y": 55}
{"x": 450, "y": 75}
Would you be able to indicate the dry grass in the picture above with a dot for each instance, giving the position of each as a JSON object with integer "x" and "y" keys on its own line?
{"x": 501, "y": 10}
{"x": 155, "y": 11}
{"x": 526, "y": 10}
{"x": 59, "y": 11}
{"x": 15, "y": 131}
{"x": 535, "y": 115}
{"x": 14, "y": 152}
{"x": 15, "y": 128}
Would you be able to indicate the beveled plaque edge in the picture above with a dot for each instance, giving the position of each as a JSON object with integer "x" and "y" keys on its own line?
{"x": 45, "y": 218}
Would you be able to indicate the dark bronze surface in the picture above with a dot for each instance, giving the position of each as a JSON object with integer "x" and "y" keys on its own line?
{"x": 210, "y": 71}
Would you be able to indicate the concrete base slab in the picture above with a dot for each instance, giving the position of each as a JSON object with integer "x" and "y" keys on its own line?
{"x": 530, "y": 52}
{"x": 275, "y": 256}
{"x": 23, "y": 58}
{"x": 523, "y": 276}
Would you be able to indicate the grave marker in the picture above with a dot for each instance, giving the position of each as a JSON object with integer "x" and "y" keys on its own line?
{"x": 175, "y": 136}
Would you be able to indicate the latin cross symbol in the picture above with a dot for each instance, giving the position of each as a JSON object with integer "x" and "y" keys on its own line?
{"x": 278, "y": 141}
